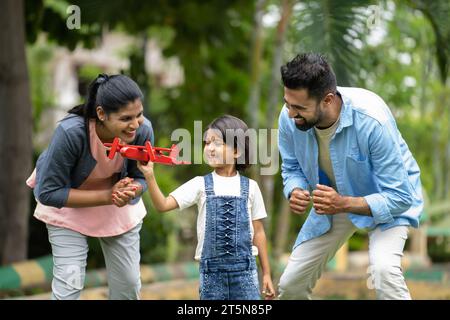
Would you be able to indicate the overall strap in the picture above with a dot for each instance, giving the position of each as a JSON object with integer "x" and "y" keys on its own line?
{"x": 209, "y": 185}
{"x": 244, "y": 186}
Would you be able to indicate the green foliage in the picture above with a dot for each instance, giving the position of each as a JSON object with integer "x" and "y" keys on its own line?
{"x": 214, "y": 53}
{"x": 340, "y": 26}
{"x": 49, "y": 16}
{"x": 34, "y": 12}
{"x": 438, "y": 14}
{"x": 212, "y": 40}
{"x": 358, "y": 241}
{"x": 88, "y": 72}
{"x": 439, "y": 249}
{"x": 401, "y": 70}
{"x": 39, "y": 57}
{"x": 160, "y": 229}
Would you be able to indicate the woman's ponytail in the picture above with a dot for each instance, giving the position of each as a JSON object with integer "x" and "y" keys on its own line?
{"x": 87, "y": 110}
{"x": 79, "y": 110}
{"x": 111, "y": 92}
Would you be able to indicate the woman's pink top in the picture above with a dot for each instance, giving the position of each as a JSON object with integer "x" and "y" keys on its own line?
{"x": 99, "y": 221}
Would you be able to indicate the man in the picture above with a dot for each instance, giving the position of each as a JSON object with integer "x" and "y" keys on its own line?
{"x": 342, "y": 151}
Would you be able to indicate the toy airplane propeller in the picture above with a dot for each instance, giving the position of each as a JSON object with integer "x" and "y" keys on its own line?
{"x": 145, "y": 153}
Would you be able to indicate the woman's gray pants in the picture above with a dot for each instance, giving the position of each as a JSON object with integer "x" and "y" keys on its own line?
{"x": 122, "y": 257}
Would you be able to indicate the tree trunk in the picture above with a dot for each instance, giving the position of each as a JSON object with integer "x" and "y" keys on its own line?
{"x": 447, "y": 146}
{"x": 424, "y": 78}
{"x": 268, "y": 181}
{"x": 15, "y": 133}
{"x": 255, "y": 62}
{"x": 438, "y": 154}
{"x": 282, "y": 231}
{"x": 274, "y": 94}
{"x": 255, "y": 77}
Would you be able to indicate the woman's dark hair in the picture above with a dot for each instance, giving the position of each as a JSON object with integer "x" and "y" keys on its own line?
{"x": 111, "y": 92}
{"x": 236, "y": 132}
{"x": 309, "y": 71}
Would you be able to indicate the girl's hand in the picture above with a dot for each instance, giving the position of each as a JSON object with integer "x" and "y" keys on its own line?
{"x": 268, "y": 290}
{"x": 146, "y": 168}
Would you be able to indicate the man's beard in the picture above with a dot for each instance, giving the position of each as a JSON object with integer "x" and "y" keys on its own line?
{"x": 311, "y": 123}
{"x": 306, "y": 125}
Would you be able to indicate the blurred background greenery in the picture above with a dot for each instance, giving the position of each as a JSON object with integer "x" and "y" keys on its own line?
{"x": 223, "y": 56}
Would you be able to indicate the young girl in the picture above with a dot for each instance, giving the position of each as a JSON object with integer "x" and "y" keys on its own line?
{"x": 230, "y": 231}
{"x": 79, "y": 193}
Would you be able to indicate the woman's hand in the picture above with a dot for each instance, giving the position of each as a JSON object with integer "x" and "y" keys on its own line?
{"x": 124, "y": 191}
{"x": 146, "y": 169}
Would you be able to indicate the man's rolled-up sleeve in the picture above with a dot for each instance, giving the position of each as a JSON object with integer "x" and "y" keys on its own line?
{"x": 391, "y": 175}
{"x": 291, "y": 172}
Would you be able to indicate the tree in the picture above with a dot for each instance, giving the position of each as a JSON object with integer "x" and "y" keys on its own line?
{"x": 301, "y": 24}
{"x": 268, "y": 182}
{"x": 438, "y": 14}
{"x": 340, "y": 26}
{"x": 15, "y": 133}
{"x": 253, "y": 108}
{"x": 213, "y": 46}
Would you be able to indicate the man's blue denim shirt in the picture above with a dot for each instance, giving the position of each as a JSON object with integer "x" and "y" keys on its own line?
{"x": 370, "y": 159}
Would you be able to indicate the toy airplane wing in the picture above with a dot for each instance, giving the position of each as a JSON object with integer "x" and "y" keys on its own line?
{"x": 150, "y": 151}
{"x": 145, "y": 153}
{"x": 114, "y": 147}
{"x": 167, "y": 156}
{"x": 174, "y": 153}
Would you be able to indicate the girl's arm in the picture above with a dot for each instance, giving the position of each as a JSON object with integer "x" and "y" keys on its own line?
{"x": 159, "y": 200}
{"x": 144, "y": 134}
{"x": 259, "y": 240}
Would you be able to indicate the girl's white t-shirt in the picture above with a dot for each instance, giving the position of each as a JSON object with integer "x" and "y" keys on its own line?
{"x": 193, "y": 192}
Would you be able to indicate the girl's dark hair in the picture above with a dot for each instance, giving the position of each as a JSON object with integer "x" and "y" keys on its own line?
{"x": 238, "y": 137}
{"x": 111, "y": 92}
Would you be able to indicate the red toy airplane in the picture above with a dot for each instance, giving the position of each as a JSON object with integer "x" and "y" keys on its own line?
{"x": 145, "y": 153}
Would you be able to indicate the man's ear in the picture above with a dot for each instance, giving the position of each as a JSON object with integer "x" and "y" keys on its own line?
{"x": 328, "y": 98}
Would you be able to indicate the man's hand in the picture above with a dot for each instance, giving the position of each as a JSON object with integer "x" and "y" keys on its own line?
{"x": 327, "y": 201}
{"x": 299, "y": 200}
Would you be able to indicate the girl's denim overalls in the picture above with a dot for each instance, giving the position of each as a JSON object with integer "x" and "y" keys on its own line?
{"x": 227, "y": 267}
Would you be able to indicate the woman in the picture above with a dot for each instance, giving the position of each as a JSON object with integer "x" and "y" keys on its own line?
{"x": 81, "y": 193}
